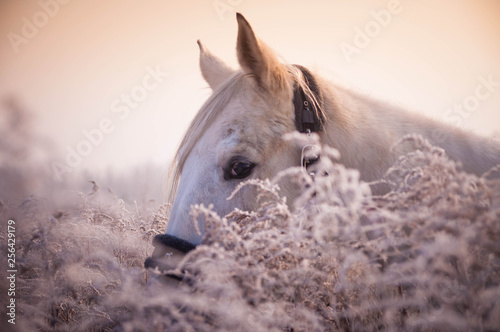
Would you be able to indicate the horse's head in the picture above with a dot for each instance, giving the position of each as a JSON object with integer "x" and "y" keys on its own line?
{"x": 238, "y": 134}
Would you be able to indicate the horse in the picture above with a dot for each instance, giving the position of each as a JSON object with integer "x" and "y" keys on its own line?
{"x": 240, "y": 133}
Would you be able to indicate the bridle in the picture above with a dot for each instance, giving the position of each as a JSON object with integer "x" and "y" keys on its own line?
{"x": 308, "y": 115}
{"x": 308, "y": 119}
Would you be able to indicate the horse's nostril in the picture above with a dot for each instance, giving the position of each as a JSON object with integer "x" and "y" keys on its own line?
{"x": 169, "y": 250}
{"x": 170, "y": 241}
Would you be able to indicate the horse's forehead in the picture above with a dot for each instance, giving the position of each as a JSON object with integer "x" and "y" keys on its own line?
{"x": 248, "y": 123}
{"x": 244, "y": 117}
{"x": 241, "y": 132}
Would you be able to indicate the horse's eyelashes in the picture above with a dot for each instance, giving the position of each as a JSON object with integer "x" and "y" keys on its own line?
{"x": 238, "y": 168}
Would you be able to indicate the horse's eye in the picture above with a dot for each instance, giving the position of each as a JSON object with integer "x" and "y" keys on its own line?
{"x": 238, "y": 169}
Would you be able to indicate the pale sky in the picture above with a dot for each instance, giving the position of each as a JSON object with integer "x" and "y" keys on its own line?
{"x": 73, "y": 70}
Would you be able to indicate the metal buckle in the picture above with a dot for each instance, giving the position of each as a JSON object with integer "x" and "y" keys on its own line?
{"x": 309, "y": 152}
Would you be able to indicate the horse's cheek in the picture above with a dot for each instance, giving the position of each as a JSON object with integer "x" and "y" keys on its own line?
{"x": 245, "y": 199}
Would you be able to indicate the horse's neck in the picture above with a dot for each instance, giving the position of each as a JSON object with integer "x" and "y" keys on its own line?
{"x": 364, "y": 130}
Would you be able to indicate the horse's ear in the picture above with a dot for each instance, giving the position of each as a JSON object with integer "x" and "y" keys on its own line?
{"x": 213, "y": 69}
{"x": 257, "y": 59}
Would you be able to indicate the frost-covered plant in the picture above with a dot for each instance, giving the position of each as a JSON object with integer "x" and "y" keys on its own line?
{"x": 424, "y": 256}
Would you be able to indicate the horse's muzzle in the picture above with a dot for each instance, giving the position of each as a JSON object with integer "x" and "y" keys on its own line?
{"x": 169, "y": 251}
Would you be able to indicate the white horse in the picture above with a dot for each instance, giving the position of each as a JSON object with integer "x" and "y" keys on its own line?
{"x": 238, "y": 133}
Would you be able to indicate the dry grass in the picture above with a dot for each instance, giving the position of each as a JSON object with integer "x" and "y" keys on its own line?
{"x": 424, "y": 257}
